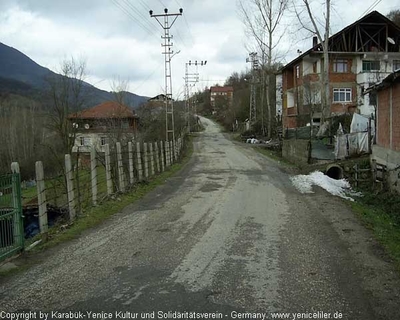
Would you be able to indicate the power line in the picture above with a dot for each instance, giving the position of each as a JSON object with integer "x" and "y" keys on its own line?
{"x": 131, "y": 16}
{"x": 139, "y": 13}
{"x": 372, "y": 6}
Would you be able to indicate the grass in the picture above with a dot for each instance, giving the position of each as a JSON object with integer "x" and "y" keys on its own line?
{"x": 381, "y": 214}
{"x": 94, "y": 216}
{"x": 275, "y": 155}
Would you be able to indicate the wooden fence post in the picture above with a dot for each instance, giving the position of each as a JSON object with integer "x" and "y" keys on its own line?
{"x": 162, "y": 155}
{"x": 120, "y": 168}
{"x": 156, "y": 151}
{"x": 139, "y": 162}
{"x": 130, "y": 155}
{"x": 93, "y": 174}
{"x": 108, "y": 169}
{"x": 41, "y": 191}
{"x": 70, "y": 187}
{"x": 145, "y": 159}
{"x": 151, "y": 159}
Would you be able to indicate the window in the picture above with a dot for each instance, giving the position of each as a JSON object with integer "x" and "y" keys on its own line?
{"x": 103, "y": 141}
{"x": 396, "y": 65}
{"x": 342, "y": 95}
{"x": 372, "y": 98}
{"x": 315, "y": 67}
{"x": 340, "y": 65}
{"x": 369, "y": 65}
{"x": 297, "y": 71}
{"x": 83, "y": 141}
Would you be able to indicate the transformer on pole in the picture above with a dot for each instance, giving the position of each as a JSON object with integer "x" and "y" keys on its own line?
{"x": 168, "y": 101}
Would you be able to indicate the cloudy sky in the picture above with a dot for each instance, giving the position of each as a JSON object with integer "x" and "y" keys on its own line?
{"x": 119, "y": 40}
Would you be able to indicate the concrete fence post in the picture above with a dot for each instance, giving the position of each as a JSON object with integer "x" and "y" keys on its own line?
{"x": 162, "y": 155}
{"x": 41, "y": 192}
{"x": 172, "y": 151}
{"x": 93, "y": 174}
{"x": 139, "y": 164}
{"x": 167, "y": 157}
{"x": 151, "y": 153}
{"x": 70, "y": 187}
{"x": 176, "y": 153}
{"x": 145, "y": 160}
{"x": 120, "y": 168}
{"x": 15, "y": 167}
{"x": 157, "y": 154}
{"x": 130, "y": 155}
{"x": 108, "y": 170}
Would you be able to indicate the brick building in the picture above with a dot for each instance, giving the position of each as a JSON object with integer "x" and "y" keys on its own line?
{"x": 360, "y": 55}
{"x": 221, "y": 95}
{"x": 386, "y": 151}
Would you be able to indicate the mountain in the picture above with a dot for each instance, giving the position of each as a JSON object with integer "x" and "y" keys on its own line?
{"x": 21, "y": 75}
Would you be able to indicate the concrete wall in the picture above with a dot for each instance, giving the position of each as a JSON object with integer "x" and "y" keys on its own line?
{"x": 296, "y": 151}
{"x": 390, "y": 159}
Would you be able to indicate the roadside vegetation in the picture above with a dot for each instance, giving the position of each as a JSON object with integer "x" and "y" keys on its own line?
{"x": 380, "y": 212}
{"x": 94, "y": 216}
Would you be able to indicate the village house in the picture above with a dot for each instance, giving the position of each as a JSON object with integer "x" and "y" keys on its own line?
{"x": 386, "y": 151}
{"x": 105, "y": 123}
{"x": 360, "y": 55}
{"x": 221, "y": 97}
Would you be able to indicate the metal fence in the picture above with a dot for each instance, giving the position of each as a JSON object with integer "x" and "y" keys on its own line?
{"x": 11, "y": 224}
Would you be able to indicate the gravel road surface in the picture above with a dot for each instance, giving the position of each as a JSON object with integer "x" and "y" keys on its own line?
{"x": 228, "y": 236}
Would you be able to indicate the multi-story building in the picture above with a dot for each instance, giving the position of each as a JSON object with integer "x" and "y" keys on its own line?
{"x": 221, "y": 95}
{"x": 360, "y": 55}
{"x": 105, "y": 123}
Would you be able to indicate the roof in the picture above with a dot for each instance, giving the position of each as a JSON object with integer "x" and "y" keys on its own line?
{"x": 391, "y": 78}
{"x": 158, "y": 98}
{"x": 109, "y": 109}
{"x": 221, "y": 89}
{"x": 366, "y": 18}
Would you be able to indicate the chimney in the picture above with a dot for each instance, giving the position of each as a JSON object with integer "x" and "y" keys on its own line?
{"x": 314, "y": 41}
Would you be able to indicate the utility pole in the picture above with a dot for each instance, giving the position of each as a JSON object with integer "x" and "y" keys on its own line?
{"x": 191, "y": 78}
{"x": 253, "y": 102}
{"x": 169, "y": 103}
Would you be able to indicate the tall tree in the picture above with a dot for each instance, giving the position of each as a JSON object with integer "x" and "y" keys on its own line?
{"x": 68, "y": 93}
{"x": 394, "y": 15}
{"x": 262, "y": 20}
{"x": 305, "y": 13}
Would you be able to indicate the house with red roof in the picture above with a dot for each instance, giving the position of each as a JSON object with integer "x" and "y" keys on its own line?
{"x": 103, "y": 124}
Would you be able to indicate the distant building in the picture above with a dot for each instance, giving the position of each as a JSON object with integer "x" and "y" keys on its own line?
{"x": 360, "y": 55}
{"x": 105, "y": 123}
{"x": 221, "y": 95}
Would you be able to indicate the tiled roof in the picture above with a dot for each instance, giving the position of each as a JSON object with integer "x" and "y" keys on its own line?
{"x": 222, "y": 89}
{"x": 109, "y": 109}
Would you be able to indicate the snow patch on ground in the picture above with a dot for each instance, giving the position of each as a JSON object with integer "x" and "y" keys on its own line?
{"x": 340, "y": 188}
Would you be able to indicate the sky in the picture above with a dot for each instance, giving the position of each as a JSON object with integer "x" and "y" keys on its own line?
{"x": 121, "y": 43}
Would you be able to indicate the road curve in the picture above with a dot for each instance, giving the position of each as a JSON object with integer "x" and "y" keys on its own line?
{"x": 227, "y": 234}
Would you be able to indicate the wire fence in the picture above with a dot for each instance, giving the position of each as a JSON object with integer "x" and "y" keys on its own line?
{"x": 89, "y": 178}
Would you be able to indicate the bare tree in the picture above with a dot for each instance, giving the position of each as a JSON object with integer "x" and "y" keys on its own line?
{"x": 323, "y": 38}
{"x": 262, "y": 19}
{"x": 68, "y": 93}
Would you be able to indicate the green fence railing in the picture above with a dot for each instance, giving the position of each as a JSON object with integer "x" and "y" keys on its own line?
{"x": 11, "y": 222}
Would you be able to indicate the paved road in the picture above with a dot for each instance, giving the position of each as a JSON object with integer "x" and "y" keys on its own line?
{"x": 230, "y": 234}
